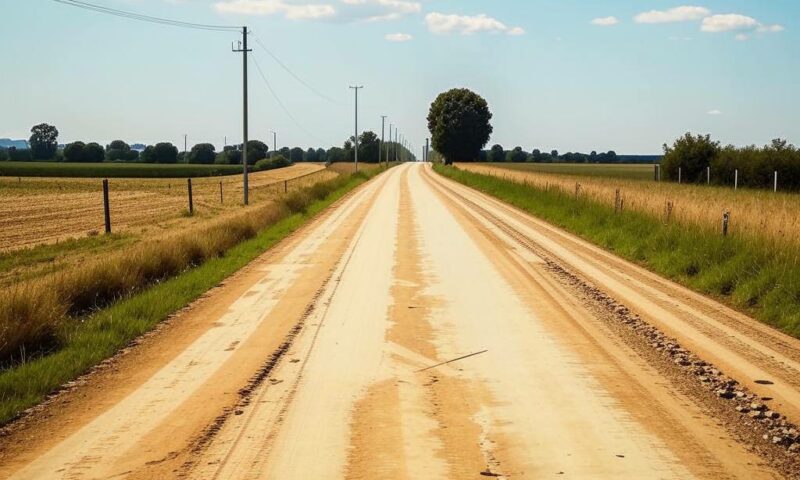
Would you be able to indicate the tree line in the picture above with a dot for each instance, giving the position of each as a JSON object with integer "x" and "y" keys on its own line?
{"x": 44, "y": 146}
{"x": 517, "y": 155}
{"x": 699, "y": 159}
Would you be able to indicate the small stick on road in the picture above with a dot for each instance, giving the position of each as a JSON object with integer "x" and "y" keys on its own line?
{"x": 451, "y": 361}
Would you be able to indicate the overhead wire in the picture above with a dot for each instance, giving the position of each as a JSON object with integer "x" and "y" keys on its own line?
{"x": 294, "y": 75}
{"x": 145, "y": 18}
{"x": 281, "y": 104}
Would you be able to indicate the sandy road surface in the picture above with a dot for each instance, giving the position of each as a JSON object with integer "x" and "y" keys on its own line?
{"x": 321, "y": 361}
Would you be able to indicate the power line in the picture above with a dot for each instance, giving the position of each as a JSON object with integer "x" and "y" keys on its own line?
{"x": 283, "y": 107}
{"x": 145, "y": 18}
{"x": 296, "y": 77}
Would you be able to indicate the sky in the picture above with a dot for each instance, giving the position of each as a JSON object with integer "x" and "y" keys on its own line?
{"x": 571, "y": 75}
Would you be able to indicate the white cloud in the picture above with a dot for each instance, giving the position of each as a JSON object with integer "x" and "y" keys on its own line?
{"x": 714, "y": 112}
{"x": 728, "y": 22}
{"x": 344, "y": 10}
{"x": 677, "y": 14}
{"x": 292, "y": 11}
{"x": 377, "y": 10}
{"x": 399, "y": 37}
{"x": 444, "y": 24}
{"x": 605, "y": 21}
{"x": 771, "y": 28}
{"x": 742, "y": 37}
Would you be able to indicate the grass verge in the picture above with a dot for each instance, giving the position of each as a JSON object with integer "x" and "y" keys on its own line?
{"x": 750, "y": 275}
{"x": 83, "y": 341}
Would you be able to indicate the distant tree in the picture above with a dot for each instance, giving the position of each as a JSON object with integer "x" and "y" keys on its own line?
{"x": 692, "y": 154}
{"x": 75, "y": 152}
{"x": 322, "y": 155}
{"x": 517, "y": 155}
{"x": 336, "y": 155}
{"x": 554, "y": 155}
{"x": 3, "y": 155}
{"x": 368, "y": 147}
{"x": 19, "y": 155}
{"x": 496, "y": 154}
{"x": 43, "y": 141}
{"x": 119, "y": 151}
{"x": 256, "y": 150}
{"x": 286, "y": 152}
{"x": 164, "y": 152}
{"x": 612, "y": 156}
{"x": 296, "y": 155}
{"x": 482, "y": 157}
{"x": 536, "y": 155}
{"x": 202, "y": 153}
{"x": 310, "y": 155}
{"x": 229, "y": 156}
{"x": 93, "y": 153}
{"x": 459, "y": 123}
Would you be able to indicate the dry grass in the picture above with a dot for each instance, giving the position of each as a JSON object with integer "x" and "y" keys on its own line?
{"x": 757, "y": 214}
{"x": 32, "y": 312}
{"x": 35, "y": 211}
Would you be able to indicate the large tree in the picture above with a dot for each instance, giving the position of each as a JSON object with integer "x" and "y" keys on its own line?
{"x": 691, "y": 154}
{"x": 43, "y": 141}
{"x": 94, "y": 153}
{"x": 75, "y": 152}
{"x": 459, "y": 124}
{"x": 203, "y": 153}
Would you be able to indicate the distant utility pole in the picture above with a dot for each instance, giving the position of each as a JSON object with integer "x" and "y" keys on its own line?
{"x": 356, "y": 90}
{"x": 226, "y": 140}
{"x": 427, "y": 148}
{"x": 274, "y": 141}
{"x": 396, "y": 136}
{"x": 389, "y": 145}
{"x": 185, "y": 141}
{"x": 243, "y": 50}
{"x": 383, "y": 130}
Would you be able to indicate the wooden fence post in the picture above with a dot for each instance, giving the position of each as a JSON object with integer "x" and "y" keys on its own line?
{"x": 775, "y": 188}
{"x": 191, "y": 202}
{"x": 221, "y": 201}
{"x": 736, "y": 180}
{"x": 680, "y": 174}
{"x": 616, "y": 202}
{"x": 286, "y": 186}
{"x": 106, "y": 207}
{"x": 708, "y": 175}
{"x": 726, "y": 217}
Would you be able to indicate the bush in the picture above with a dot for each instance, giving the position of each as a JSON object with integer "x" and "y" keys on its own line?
{"x": 278, "y": 161}
{"x": 756, "y": 165}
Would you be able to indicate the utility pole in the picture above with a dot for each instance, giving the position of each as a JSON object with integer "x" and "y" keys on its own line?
{"x": 396, "y": 136}
{"x": 243, "y": 50}
{"x": 356, "y": 90}
{"x": 274, "y": 141}
{"x": 185, "y": 137}
{"x": 383, "y": 130}
{"x": 427, "y": 148}
{"x": 226, "y": 140}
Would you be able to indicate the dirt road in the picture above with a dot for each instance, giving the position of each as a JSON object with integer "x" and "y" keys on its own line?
{"x": 419, "y": 329}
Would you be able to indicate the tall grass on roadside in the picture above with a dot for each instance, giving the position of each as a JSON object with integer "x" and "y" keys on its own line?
{"x": 32, "y": 313}
{"x": 746, "y": 273}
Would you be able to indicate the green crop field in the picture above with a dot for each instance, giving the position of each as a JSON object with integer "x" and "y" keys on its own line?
{"x": 114, "y": 170}
{"x": 616, "y": 170}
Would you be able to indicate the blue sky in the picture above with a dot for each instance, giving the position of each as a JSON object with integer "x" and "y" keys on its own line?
{"x": 575, "y": 75}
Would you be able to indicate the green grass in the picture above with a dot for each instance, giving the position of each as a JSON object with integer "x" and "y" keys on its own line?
{"x": 616, "y": 170}
{"x": 100, "y": 335}
{"x": 751, "y": 275}
{"x": 112, "y": 170}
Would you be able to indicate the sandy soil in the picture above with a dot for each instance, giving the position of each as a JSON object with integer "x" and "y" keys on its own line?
{"x": 419, "y": 329}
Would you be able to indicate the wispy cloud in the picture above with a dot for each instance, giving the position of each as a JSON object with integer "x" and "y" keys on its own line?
{"x": 678, "y": 14}
{"x": 344, "y": 10}
{"x": 714, "y": 113}
{"x": 445, "y": 24}
{"x": 292, "y": 11}
{"x": 399, "y": 37}
{"x": 728, "y": 22}
{"x": 605, "y": 21}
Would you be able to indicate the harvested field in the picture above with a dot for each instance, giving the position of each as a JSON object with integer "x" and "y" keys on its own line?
{"x": 758, "y": 214}
{"x": 35, "y": 211}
